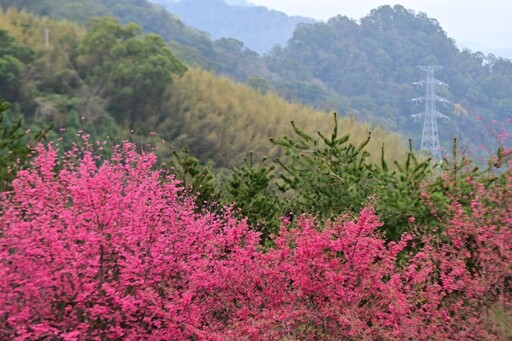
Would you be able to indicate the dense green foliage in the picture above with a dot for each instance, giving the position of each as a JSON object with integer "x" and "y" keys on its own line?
{"x": 150, "y": 18}
{"x": 198, "y": 181}
{"x": 131, "y": 71}
{"x": 326, "y": 177}
{"x": 189, "y": 44}
{"x": 251, "y": 188}
{"x": 15, "y": 146}
{"x": 13, "y": 58}
{"x": 329, "y": 176}
{"x": 100, "y": 82}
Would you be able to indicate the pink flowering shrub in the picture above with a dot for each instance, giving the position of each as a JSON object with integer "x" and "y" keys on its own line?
{"x": 104, "y": 252}
{"x": 110, "y": 249}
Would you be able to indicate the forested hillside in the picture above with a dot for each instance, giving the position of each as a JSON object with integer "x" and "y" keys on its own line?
{"x": 339, "y": 65}
{"x": 371, "y": 66}
{"x": 225, "y": 56}
{"x": 363, "y": 69}
{"x": 342, "y": 65}
{"x": 113, "y": 79}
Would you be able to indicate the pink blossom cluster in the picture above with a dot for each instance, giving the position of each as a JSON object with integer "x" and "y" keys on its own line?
{"x": 94, "y": 249}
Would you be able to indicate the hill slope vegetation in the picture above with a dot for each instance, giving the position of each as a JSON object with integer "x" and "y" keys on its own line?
{"x": 78, "y": 84}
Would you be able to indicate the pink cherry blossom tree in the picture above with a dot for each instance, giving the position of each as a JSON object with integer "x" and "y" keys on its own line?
{"x": 109, "y": 249}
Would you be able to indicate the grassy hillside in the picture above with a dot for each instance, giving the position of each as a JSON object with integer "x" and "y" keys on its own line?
{"x": 223, "y": 119}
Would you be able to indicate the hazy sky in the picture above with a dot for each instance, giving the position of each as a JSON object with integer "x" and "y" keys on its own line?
{"x": 472, "y": 23}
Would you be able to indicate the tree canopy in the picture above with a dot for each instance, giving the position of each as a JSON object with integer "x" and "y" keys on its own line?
{"x": 13, "y": 58}
{"x": 129, "y": 69}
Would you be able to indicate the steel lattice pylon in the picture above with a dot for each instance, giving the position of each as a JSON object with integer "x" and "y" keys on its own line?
{"x": 430, "y": 135}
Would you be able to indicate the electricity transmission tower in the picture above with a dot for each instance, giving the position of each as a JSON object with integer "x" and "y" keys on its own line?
{"x": 430, "y": 136}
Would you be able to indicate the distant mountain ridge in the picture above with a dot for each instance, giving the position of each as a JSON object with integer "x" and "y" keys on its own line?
{"x": 259, "y": 28}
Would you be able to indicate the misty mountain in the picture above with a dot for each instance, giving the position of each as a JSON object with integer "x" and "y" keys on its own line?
{"x": 257, "y": 27}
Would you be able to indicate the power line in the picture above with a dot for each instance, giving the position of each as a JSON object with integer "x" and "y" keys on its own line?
{"x": 430, "y": 135}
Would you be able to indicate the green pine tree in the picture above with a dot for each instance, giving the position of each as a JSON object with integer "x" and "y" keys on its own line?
{"x": 15, "y": 146}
